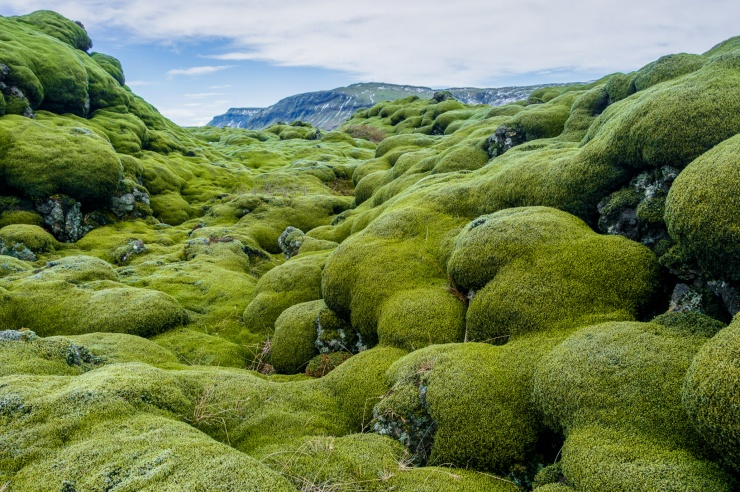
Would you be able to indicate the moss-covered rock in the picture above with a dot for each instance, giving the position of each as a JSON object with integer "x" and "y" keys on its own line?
{"x": 534, "y": 269}
{"x": 710, "y": 393}
{"x": 31, "y": 236}
{"x": 40, "y": 159}
{"x": 297, "y": 280}
{"x": 615, "y": 391}
{"x": 80, "y": 295}
{"x": 702, "y": 206}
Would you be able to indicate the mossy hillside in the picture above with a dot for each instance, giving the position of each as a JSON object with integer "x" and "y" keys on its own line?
{"x": 701, "y": 208}
{"x": 620, "y": 398}
{"x": 116, "y": 424}
{"x": 59, "y": 27}
{"x": 235, "y": 406}
{"x": 710, "y": 394}
{"x": 45, "y": 69}
{"x": 228, "y": 194}
{"x": 666, "y": 68}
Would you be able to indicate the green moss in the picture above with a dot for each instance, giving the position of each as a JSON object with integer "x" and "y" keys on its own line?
{"x": 359, "y": 382}
{"x": 295, "y": 333}
{"x": 296, "y": 281}
{"x": 690, "y": 323}
{"x": 614, "y": 389}
{"x": 10, "y": 265}
{"x": 32, "y": 236}
{"x": 543, "y": 121}
{"x": 619, "y": 86}
{"x": 710, "y": 393}
{"x": 477, "y": 396}
{"x": 103, "y": 89}
{"x": 196, "y": 348}
{"x": 384, "y": 273}
{"x": 667, "y": 68}
{"x": 45, "y": 69}
{"x": 79, "y": 295}
{"x": 461, "y": 157}
{"x": 40, "y": 159}
{"x": 114, "y": 348}
{"x": 44, "y": 356}
{"x": 701, "y": 208}
{"x": 59, "y": 27}
{"x": 171, "y": 208}
{"x": 10, "y": 217}
{"x": 583, "y": 112}
{"x": 599, "y": 458}
{"x": 545, "y": 268}
{"x": 125, "y": 131}
{"x": 671, "y": 123}
{"x": 110, "y": 65}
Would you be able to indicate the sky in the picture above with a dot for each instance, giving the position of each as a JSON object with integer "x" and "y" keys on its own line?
{"x": 194, "y": 60}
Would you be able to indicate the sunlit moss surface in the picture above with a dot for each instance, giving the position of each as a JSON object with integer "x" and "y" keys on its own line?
{"x": 418, "y": 301}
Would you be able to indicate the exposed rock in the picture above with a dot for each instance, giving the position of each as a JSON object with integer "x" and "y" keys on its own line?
{"x": 403, "y": 414}
{"x": 18, "y": 335}
{"x": 123, "y": 254}
{"x": 64, "y": 217}
{"x": 333, "y": 334}
{"x": 126, "y": 205}
{"x": 503, "y": 139}
{"x": 440, "y": 96}
{"x": 636, "y": 211}
{"x": 290, "y": 241}
{"x": 17, "y": 250}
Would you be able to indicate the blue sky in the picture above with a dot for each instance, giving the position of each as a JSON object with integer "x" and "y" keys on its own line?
{"x": 194, "y": 60}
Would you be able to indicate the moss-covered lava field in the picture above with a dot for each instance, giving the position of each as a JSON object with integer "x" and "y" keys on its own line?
{"x": 434, "y": 297}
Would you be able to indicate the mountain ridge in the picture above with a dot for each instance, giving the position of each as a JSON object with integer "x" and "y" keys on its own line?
{"x": 327, "y": 109}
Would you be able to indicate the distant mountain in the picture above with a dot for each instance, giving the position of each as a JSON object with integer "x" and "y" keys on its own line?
{"x": 234, "y": 117}
{"x": 328, "y": 109}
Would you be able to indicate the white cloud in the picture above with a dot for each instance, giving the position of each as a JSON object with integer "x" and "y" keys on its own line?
{"x": 139, "y": 83}
{"x": 195, "y": 71}
{"x": 431, "y": 42}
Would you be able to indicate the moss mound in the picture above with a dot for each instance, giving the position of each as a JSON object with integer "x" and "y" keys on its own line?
{"x": 701, "y": 208}
{"x": 32, "y": 236}
{"x": 80, "y": 295}
{"x": 40, "y": 159}
{"x": 615, "y": 391}
{"x": 710, "y": 393}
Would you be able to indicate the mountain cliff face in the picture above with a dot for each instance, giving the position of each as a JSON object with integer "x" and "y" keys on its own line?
{"x": 328, "y": 109}
{"x": 234, "y": 117}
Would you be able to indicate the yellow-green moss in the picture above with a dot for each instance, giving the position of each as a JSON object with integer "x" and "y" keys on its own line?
{"x": 710, "y": 393}
{"x": 702, "y": 209}
{"x": 32, "y": 236}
